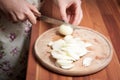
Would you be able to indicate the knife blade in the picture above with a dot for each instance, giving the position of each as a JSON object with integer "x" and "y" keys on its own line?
{"x": 55, "y": 21}
{"x": 51, "y": 20}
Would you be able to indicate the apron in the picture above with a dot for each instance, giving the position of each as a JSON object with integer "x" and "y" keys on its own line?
{"x": 14, "y": 44}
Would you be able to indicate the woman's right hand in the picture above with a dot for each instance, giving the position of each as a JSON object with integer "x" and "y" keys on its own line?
{"x": 19, "y": 10}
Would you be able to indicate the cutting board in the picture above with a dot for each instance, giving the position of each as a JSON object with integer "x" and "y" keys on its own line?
{"x": 101, "y": 51}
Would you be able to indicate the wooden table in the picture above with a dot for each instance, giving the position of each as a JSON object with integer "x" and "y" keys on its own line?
{"x": 100, "y": 15}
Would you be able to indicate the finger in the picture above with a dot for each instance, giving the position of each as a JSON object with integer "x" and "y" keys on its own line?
{"x": 34, "y": 10}
{"x": 78, "y": 14}
{"x": 68, "y": 17}
{"x": 13, "y": 15}
{"x": 30, "y": 16}
{"x": 21, "y": 16}
{"x": 71, "y": 18}
{"x": 64, "y": 14}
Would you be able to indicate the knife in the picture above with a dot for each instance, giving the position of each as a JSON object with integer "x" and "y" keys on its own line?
{"x": 51, "y": 20}
{"x": 55, "y": 21}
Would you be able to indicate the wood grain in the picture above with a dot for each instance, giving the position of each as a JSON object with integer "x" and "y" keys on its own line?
{"x": 101, "y": 51}
{"x": 100, "y": 15}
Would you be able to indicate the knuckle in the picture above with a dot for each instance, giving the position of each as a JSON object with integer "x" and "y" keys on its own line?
{"x": 21, "y": 17}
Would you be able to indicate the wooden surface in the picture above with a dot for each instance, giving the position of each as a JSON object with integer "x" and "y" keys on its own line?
{"x": 100, "y": 15}
{"x": 100, "y": 51}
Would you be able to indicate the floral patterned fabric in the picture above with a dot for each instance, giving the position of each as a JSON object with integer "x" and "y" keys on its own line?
{"x": 14, "y": 43}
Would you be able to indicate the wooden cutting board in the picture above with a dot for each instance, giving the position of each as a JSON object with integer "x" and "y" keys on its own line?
{"x": 101, "y": 51}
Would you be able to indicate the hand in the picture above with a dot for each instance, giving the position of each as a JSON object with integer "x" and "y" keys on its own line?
{"x": 19, "y": 10}
{"x": 70, "y": 10}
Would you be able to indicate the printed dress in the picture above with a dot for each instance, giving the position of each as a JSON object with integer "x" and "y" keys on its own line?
{"x": 14, "y": 44}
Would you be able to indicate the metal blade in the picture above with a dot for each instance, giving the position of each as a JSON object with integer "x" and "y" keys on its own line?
{"x": 50, "y": 20}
